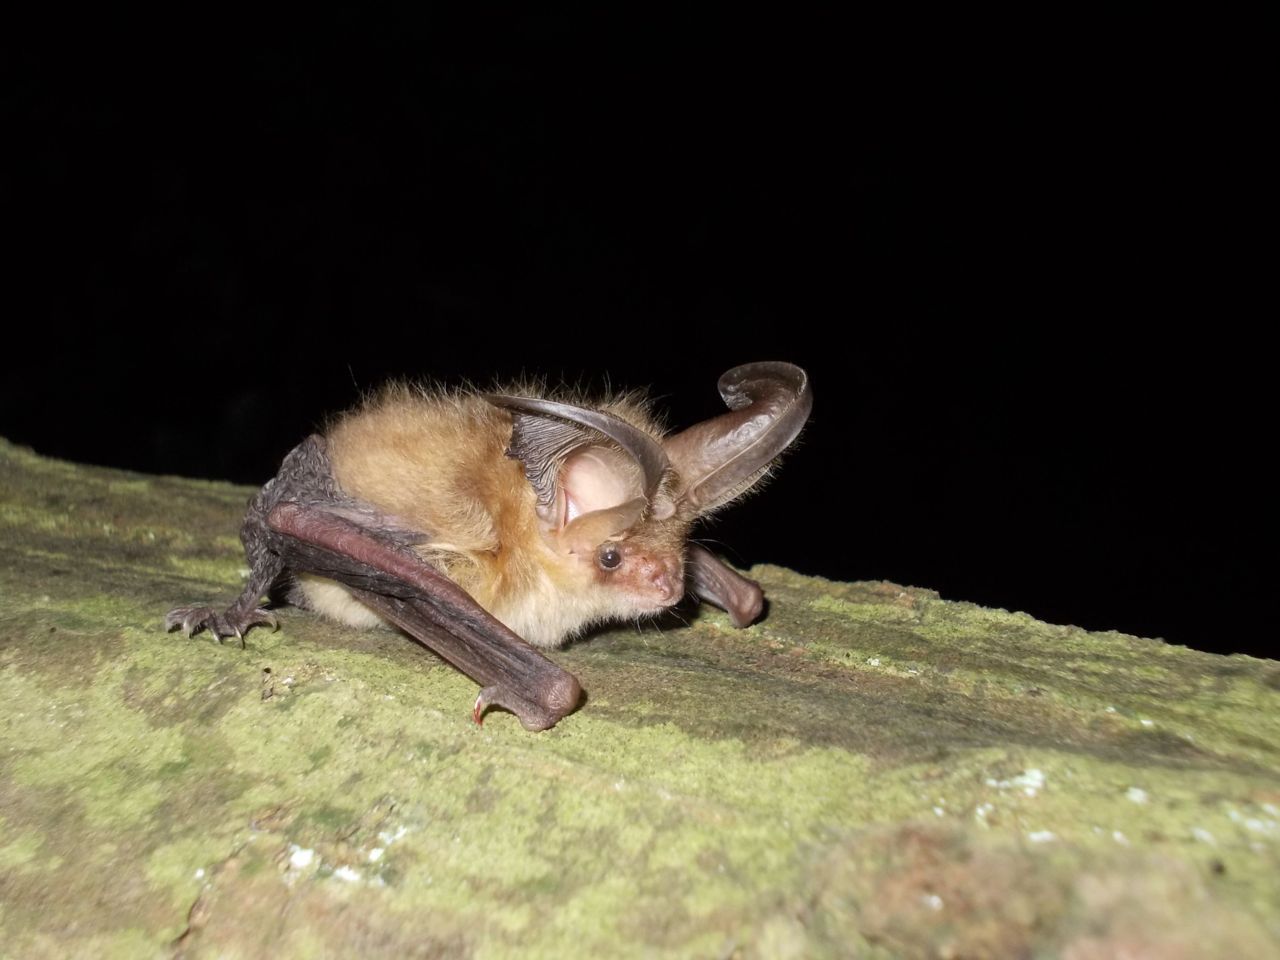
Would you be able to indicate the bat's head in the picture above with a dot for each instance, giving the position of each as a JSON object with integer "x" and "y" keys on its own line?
{"x": 601, "y": 523}
{"x": 617, "y": 499}
{"x": 615, "y": 556}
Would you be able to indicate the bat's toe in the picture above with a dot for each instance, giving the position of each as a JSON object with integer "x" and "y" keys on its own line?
{"x": 193, "y": 619}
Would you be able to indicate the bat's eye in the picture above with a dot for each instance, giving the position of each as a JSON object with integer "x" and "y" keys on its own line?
{"x": 609, "y": 557}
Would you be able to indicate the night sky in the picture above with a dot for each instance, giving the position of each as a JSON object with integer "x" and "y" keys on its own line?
{"x": 1016, "y": 270}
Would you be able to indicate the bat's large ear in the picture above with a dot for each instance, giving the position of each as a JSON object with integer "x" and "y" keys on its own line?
{"x": 721, "y": 458}
{"x": 575, "y": 476}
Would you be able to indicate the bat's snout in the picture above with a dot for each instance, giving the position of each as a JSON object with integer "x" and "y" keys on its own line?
{"x": 663, "y": 580}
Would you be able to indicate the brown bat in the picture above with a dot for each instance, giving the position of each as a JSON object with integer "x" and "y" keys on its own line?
{"x": 474, "y": 520}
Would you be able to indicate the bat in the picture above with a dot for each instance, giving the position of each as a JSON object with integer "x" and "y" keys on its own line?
{"x": 487, "y": 525}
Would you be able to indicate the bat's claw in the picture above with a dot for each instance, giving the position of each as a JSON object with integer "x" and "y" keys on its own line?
{"x": 530, "y": 715}
{"x": 192, "y": 619}
{"x": 533, "y": 716}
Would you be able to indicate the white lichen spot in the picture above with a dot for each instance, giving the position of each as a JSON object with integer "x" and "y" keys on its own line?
{"x": 1136, "y": 794}
{"x": 932, "y": 901}
{"x": 1119, "y": 838}
{"x": 981, "y": 811}
{"x": 300, "y": 858}
{"x": 200, "y": 873}
{"x": 1204, "y": 836}
{"x": 939, "y": 812}
{"x": 388, "y": 838}
{"x": 1256, "y": 824}
{"x": 1111, "y": 710}
{"x": 1147, "y": 723}
{"x": 244, "y": 573}
{"x": 1030, "y": 781}
{"x": 620, "y": 784}
{"x": 1041, "y": 836}
{"x": 347, "y": 874}
{"x": 376, "y": 854}
{"x": 874, "y": 661}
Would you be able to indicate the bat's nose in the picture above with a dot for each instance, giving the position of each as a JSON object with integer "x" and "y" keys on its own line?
{"x": 667, "y": 583}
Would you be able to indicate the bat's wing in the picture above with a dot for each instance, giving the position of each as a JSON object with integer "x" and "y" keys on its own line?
{"x": 300, "y": 522}
{"x": 719, "y": 584}
{"x": 427, "y": 605}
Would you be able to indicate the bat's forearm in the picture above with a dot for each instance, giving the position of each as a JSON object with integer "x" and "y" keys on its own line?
{"x": 430, "y": 607}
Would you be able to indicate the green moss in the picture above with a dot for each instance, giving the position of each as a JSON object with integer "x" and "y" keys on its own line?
{"x": 871, "y": 770}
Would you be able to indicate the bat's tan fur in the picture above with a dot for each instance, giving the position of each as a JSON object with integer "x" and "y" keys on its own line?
{"x": 436, "y": 462}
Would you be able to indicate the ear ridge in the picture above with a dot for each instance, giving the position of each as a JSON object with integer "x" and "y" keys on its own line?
{"x": 543, "y": 444}
{"x": 645, "y": 449}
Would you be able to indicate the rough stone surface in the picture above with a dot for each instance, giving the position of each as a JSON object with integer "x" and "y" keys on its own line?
{"x": 871, "y": 771}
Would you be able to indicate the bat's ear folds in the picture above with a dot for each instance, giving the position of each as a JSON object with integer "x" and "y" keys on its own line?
{"x": 721, "y": 458}
{"x": 547, "y": 435}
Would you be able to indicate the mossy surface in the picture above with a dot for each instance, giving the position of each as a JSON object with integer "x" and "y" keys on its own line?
{"x": 870, "y": 771}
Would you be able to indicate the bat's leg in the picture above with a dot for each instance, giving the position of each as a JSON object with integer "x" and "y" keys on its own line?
{"x": 393, "y": 580}
{"x": 245, "y": 613}
{"x": 303, "y": 474}
{"x": 719, "y": 584}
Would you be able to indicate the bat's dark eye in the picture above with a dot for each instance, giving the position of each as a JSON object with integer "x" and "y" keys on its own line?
{"x": 609, "y": 557}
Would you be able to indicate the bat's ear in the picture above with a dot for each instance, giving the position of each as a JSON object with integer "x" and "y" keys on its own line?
{"x": 574, "y": 472}
{"x": 721, "y": 458}
{"x": 601, "y": 497}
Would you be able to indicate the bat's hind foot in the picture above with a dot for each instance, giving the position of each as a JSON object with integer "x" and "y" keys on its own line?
{"x": 233, "y": 623}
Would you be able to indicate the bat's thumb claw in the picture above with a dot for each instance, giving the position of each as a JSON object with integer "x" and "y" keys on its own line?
{"x": 533, "y": 716}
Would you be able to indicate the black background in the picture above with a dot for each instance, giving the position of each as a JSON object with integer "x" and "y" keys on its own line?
{"x": 1014, "y": 257}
